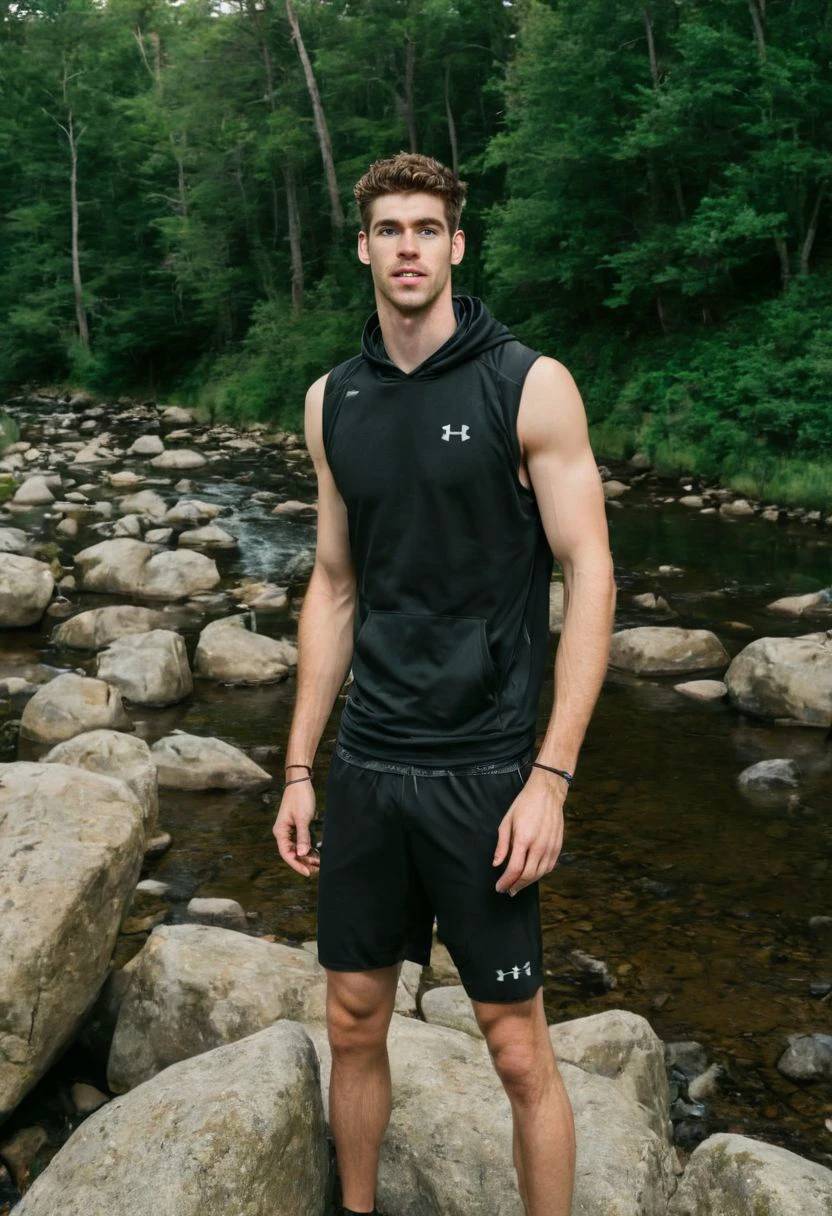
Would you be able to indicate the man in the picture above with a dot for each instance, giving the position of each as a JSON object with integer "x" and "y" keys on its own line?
{"x": 452, "y": 463}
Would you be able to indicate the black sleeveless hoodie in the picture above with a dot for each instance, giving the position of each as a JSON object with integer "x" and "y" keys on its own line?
{"x": 452, "y": 563}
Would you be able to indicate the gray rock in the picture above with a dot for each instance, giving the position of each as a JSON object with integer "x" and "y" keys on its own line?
{"x": 71, "y": 848}
{"x": 13, "y": 540}
{"x": 96, "y": 628}
{"x": 738, "y": 508}
{"x": 740, "y": 1176}
{"x": 770, "y": 774}
{"x": 131, "y": 567}
{"x": 209, "y": 537}
{"x": 26, "y": 587}
{"x": 225, "y": 913}
{"x": 450, "y": 1006}
{"x": 784, "y": 678}
{"x": 71, "y": 704}
{"x": 148, "y": 668}
{"x": 114, "y": 754}
{"x": 196, "y": 762}
{"x": 146, "y": 445}
{"x": 33, "y": 492}
{"x": 816, "y": 603}
{"x": 702, "y": 690}
{"x": 146, "y": 502}
{"x": 807, "y": 1058}
{"x": 178, "y": 458}
{"x": 447, "y": 1151}
{"x": 194, "y": 987}
{"x": 229, "y": 652}
{"x": 665, "y": 650}
{"x": 238, "y": 1130}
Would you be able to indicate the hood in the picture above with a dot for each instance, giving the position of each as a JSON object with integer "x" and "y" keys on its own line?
{"x": 476, "y": 331}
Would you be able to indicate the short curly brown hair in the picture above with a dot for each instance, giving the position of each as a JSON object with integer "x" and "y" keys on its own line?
{"x": 410, "y": 172}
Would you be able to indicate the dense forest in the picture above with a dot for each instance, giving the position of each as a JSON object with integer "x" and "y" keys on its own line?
{"x": 650, "y": 188}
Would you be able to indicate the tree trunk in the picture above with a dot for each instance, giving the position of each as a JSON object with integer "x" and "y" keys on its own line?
{"x": 294, "y": 237}
{"x": 335, "y": 208}
{"x": 806, "y": 250}
{"x": 409, "y": 108}
{"x": 651, "y": 47}
{"x": 451, "y": 124}
{"x": 785, "y": 265}
{"x": 77, "y": 287}
{"x": 757, "y": 8}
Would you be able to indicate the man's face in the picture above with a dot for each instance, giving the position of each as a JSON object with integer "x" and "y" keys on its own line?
{"x": 410, "y": 249}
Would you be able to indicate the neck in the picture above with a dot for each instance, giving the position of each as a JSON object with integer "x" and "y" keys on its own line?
{"x": 409, "y": 339}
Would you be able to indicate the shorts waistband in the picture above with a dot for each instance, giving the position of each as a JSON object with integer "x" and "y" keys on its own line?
{"x": 419, "y": 770}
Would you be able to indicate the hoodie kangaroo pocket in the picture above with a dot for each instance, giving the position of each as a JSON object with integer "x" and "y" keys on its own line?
{"x": 418, "y": 671}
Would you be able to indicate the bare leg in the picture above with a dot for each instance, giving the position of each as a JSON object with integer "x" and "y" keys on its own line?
{"x": 544, "y": 1127}
{"x": 359, "y": 1006}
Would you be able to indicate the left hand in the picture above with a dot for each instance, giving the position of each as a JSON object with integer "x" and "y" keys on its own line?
{"x": 532, "y": 831}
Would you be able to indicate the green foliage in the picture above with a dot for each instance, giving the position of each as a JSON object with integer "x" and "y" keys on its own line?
{"x": 650, "y": 192}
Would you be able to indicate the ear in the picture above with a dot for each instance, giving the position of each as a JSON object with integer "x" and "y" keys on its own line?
{"x": 363, "y": 248}
{"x": 457, "y": 247}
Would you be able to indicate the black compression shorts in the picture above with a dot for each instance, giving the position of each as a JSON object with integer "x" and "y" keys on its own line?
{"x": 404, "y": 844}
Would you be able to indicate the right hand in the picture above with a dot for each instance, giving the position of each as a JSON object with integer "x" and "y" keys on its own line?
{"x": 291, "y": 828}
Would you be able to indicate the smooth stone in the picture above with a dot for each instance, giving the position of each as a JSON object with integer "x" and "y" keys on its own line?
{"x": 229, "y": 652}
{"x": 237, "y": 1130}
{"x": 733, "y": 1175}
{"x": 146, "y": 445}
{"x": 209, "y": 537}
{"x": 784, "y": 678}
{"x": 131, "y": 567}
{"x": 26, "y": 587}
{"x": 71, "y": 849}
{"x": 807, "y": 1058}
{"x": 148, "y": 668}
{"x": 33, "y": 492}
{"x": 703, "y": 690}
{"x": 450, "y": 1006}
{"x": 71, "y": 704}
{"x": 145, "y": 502}
{"x": 815, "y": 603}
{"x": 98, "y": 627}
{"x": 194, "y": 987}
{"x": 178, "y": 458}
{"x": 112, "y": 753}
{"x": 199, "y": 762}
{"x": 225, "y": 913}
{"x": 13, "y": 540}
{"x": 770, "y": 774}
{"x": 665, "y": 650}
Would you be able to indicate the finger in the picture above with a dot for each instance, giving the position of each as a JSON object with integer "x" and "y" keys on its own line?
{"x": 515, "y": 867}
{"x": 302, "y": 841}
{"x": 286, "y": 845}
{"x": 503, "y": 840}
{"x": 532, "y": 872}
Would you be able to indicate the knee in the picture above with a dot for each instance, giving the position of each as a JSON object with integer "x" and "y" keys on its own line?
{"x": 355, "y": 1027}
{"x": 524, "y": 1071}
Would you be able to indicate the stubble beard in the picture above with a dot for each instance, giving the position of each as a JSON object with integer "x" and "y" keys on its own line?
{"x": 412, "y": 308}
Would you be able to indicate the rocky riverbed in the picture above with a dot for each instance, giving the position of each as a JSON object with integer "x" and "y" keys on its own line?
{"x": 158, "y": 982}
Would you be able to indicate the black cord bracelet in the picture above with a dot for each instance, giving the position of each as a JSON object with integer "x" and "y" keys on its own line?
{"x": 295, "y": 780}
{"x": 568, "y": 777}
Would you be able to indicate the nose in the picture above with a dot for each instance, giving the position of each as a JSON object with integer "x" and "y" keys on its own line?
{"x": 407, "y": 247}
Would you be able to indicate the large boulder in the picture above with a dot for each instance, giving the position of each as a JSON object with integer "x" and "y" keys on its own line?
{"x": 70, "y": 704}
{"x": 71, "y": 849}
{"x": 196, "y": 762}
{"x": 131, "y": 567}
{"x": 34, "y": 492}
{"x": 194, "y": 987}
{"x": 238, "y": 1131}
{"x": 229, "y": 652}
{"x": 26, "y": 587}
{"x": 657, "y": 650}
{"x": 784, "y": 678}
{"x": 143, "y": 502}
{"x": 449, "y": 1141}
{"x": 115, "y": 754}
{"x": 623, "y": 1046}
{"x": 96, "y": 628}
{"x": 740, "y": 1176}
{"x": 148, "y": 668}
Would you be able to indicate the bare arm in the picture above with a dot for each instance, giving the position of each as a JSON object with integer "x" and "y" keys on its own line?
{"x": 325, "y": 642}
{"x": 555, "y": 441}
{"x": 553, "y": 431}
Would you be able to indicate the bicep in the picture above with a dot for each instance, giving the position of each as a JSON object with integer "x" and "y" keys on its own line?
{"x": 553, "y": 431}
{"x": 332, "y": 549}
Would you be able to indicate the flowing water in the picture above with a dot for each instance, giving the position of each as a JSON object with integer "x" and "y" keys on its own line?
{"x": 697, "y": 899}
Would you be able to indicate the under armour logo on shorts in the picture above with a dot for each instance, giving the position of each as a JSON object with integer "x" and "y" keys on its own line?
{"x": 515, "y": 972}
{"x": 462, "y": 432}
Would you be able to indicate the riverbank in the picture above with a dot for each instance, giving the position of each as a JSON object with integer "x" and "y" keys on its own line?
{"x": 775, "y": 482}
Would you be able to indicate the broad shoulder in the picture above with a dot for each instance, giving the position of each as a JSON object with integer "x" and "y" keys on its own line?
{"x": 551, "y": 407}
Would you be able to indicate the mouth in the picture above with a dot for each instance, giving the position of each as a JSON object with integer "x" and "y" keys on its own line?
{"x": 408, "y": 274}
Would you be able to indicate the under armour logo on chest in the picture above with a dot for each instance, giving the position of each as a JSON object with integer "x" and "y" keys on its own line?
{"x": 462, "y": 432}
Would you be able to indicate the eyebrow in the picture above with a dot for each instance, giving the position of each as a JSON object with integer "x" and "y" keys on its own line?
{"x": 432, "y": 220}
